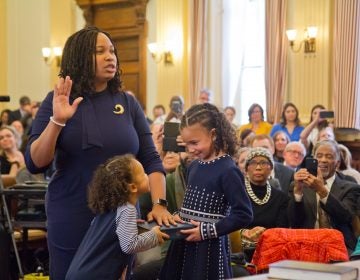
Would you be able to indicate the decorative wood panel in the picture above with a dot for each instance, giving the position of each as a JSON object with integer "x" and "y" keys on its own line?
{"x": 125, "y": 21}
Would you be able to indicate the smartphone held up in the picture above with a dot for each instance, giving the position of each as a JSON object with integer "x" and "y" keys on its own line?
{"x": 311, "y": 165}
{"x": 171, "y": 131}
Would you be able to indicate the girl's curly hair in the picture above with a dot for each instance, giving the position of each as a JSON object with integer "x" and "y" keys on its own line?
{"x": 209, "y": 116}
{"x": 79, "y": 64}
{"x": 108, "y": 188}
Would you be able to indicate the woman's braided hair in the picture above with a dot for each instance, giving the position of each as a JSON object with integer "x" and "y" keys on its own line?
{"x": 79, "y": 63}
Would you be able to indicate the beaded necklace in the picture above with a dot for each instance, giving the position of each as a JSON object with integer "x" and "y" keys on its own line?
{"x": 253, "y": 196}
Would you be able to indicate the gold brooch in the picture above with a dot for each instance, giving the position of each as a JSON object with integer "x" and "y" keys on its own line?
{"x": 119, "y": 109}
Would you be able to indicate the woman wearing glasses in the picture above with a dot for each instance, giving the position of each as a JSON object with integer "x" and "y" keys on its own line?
{"x": 269, "y": 205}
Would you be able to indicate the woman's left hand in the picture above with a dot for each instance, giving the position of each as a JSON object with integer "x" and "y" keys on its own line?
{"x": 193, "y": 233}
{"x": 254, "y": 233}
{"x": 161, "y": 215}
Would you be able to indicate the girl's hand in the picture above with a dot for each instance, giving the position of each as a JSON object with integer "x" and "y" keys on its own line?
{"x": 177, "y": 219}
{"x": 160, "y": 235}
{"x": 193, "y": 233}
{"x": 62, "y": 110}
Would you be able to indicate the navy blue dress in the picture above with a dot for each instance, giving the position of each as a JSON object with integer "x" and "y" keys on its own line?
{"x": 94, "y": 134}
{"x": 216, "y": 197}
{"x": 108, "y": 246}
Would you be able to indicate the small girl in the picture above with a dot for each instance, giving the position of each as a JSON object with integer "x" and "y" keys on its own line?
{"x": 215, "y": 199}
{"x": 112, "y": 238}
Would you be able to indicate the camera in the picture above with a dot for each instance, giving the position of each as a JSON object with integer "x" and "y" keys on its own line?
{"x": 176, "y": 107}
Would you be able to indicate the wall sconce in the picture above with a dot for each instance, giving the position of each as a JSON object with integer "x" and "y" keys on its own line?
{"x": 160, "y": 52}
{"x": 309, "y": 41}
{"x": 51, "y": 54}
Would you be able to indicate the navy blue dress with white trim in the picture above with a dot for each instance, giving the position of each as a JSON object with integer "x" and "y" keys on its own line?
{"x": 215, "y": 197}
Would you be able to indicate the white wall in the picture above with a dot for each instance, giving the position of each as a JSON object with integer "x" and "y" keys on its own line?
{"x": 31, "y": 25}
{"x": 27, "y": 32}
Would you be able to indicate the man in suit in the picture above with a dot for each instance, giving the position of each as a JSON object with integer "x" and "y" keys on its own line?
{"x": 325, "y": 200}
{"x": 294, "y": 154}
{"x": 24, "y": 111}
{"x": 282, "y": 173}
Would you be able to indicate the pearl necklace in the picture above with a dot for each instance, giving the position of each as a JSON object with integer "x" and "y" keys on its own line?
{"x": 254, "y": 197}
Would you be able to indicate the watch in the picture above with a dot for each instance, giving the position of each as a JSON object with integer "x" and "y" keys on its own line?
{"x": 161, "y": 201}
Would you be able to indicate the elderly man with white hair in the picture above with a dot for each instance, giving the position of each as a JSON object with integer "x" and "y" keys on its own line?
{"x": 294, "y": 154}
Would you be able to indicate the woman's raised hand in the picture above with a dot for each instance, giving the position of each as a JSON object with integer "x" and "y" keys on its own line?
{"x": 62, "y": 110}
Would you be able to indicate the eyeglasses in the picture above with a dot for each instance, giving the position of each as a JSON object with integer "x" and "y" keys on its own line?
{"x": 254, "y": 163}
{"x": 300, "y": 154}
{"x": 255, "y": 112}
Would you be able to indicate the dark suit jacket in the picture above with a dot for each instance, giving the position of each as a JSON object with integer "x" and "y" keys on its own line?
{"x": 285, "y": 175}
{"x": 15, "y": 115}
{"x": 341, "y": 207}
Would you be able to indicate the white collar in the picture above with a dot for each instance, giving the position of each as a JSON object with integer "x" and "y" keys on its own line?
{"x": 329, "y": 181}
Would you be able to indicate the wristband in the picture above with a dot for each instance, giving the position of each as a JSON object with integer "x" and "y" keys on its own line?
{"x": 162, "y": 202}
{"x": 57, "y": 123}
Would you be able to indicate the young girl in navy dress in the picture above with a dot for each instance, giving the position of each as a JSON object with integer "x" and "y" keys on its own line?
{"x": 215, "y": 199}
{"x": 112, "y": 238}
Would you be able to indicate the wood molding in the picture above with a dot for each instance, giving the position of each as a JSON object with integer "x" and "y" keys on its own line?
{"x": 125, "y": 20}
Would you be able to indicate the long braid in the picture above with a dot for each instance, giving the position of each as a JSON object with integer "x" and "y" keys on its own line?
{"x": 78, "y": 62}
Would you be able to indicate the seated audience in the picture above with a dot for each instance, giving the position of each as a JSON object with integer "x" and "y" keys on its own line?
{"x": 256, "y": 121}
{"x": 325, "y": 200}
{"x": 345, "y": 164}
{"x": 294, "y": 154}
{"x": 11, "y": 159}
{"x": 281, "y": 139}
{"x": 269, "y": 205}
{"x": 289, "y": 123}
{"x": 282, "y": 173}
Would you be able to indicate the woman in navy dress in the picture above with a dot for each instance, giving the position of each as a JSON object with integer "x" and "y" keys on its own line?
{"x": 83, "y": 122}
{"x": 215, "y": 199}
